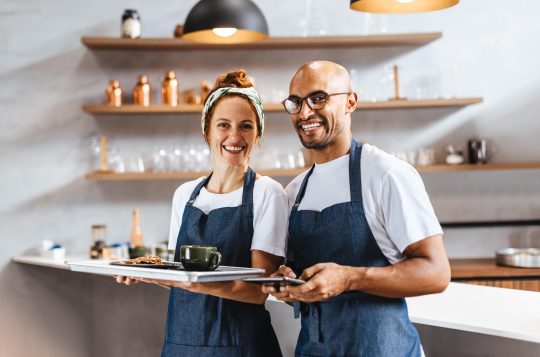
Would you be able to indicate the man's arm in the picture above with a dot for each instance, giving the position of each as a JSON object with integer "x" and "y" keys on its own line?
{"x": 425, "y": 271}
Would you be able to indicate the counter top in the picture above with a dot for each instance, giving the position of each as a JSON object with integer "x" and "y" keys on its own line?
{"x": 487, "y": 268}
{"x": 487, "y": 310}
{"x": 44, "y": 261}
{"x": 41, "y": 261}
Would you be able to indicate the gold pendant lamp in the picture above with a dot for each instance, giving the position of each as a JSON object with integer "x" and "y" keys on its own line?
{"x": 400, "y": 6}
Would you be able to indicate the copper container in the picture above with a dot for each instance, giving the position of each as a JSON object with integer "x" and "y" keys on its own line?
{"x": 113, "y": 94}
{"x": 205, "y": 89}
{"x": 141, "y": 92}
{"x": 169, "y": 89}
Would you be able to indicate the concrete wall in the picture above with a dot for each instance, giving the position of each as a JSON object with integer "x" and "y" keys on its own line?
{"x": 46, "y": 76}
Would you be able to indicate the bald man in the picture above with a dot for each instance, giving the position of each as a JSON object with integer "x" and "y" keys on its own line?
{"x": 362, "y": 230}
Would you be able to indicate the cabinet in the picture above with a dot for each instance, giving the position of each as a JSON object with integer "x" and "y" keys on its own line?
{"x": 486, "y": 272}
{"x": 326, "y": 42}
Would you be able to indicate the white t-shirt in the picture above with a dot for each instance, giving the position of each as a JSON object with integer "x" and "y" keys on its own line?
{"x": 396, "y": 203}
{"x": 270, "y": 213}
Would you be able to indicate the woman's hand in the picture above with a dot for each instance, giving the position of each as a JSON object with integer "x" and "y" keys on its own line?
{"x": 126, "y": 280}
{"x": 193, "y": 287}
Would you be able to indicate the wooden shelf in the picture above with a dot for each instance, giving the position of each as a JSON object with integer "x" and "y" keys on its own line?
{"x": 150, "y": 176}
{"x": 277, "y": 107}
{"x": 414, "y": 39}
{"x": 486, "y": 268}
{"x": 479, "y": 167}
{"x": 158, "y": 109}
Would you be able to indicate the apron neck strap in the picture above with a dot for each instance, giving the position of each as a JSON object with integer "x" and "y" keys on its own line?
{"x": 355, "y": 178}
{"x": 247, "y": 194}
{"x": 355, "y": 182}
{"x": 302, "y": 190}
{"x": 249, "y": 183}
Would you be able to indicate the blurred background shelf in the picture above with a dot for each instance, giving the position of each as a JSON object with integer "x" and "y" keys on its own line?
{"x": 148, "y": 176}
{"x": 413, "y": 39}
{"x": 277, "y": 107}
{"x": 479, "y": 167}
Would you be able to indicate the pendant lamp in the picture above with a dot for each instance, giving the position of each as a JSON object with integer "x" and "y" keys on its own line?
{"x": 225, "y": 22}
{"x": 401, "y": 6}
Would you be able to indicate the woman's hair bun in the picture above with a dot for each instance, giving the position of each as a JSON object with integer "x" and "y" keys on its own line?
{"x": 237, "y": 79}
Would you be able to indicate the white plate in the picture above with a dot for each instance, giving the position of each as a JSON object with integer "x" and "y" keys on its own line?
{"x": 222, "y": 273}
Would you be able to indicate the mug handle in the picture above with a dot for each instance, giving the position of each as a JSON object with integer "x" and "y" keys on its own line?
{"x": 216, "y": 260}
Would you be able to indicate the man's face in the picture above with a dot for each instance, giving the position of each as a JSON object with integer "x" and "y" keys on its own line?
{"x": 318, "y": 128}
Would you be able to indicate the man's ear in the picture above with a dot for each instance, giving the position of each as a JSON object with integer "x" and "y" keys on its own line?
{"x": 352, "y": 99}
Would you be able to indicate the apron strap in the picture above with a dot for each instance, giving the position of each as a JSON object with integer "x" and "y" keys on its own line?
{"x": 302, "y": 190}
{"x": 249, "y": 183}
{"x": 355, "y": 181}
{"x": 355, "y": 178}
{"x": 197, "y": 190}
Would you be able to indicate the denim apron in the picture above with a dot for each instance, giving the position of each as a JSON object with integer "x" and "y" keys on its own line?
{"x": 202, "y": 325}
{"x": 353, "y": 323}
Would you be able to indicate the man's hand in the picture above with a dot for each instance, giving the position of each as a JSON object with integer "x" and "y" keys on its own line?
{"x": 323, "y": 281}
{"x": 278, "y": 292}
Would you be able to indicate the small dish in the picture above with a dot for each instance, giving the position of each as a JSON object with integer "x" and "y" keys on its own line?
{"x": 518, "y": 257}
{"x": 163, "y": 265}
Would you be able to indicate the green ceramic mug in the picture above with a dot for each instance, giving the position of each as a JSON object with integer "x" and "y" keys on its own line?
{"x": 199, "y": 258}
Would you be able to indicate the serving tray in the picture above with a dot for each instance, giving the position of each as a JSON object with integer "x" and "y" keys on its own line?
{"x": 173, "y": 273}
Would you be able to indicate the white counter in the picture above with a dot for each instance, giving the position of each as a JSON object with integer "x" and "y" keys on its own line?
{"x": 488, "y": 310}
{"x": 513, "y": 314}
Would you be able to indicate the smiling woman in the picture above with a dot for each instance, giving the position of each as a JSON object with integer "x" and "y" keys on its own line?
{"x": 241, "y": 213}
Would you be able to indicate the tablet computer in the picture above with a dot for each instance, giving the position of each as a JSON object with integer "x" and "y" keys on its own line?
{"x": 275, "y": 280}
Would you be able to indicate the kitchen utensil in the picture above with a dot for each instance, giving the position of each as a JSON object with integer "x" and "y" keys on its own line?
{"x": 477, "y": 151}
{"x": 518, "y": 257}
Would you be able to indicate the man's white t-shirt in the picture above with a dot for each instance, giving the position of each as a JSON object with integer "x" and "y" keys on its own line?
{"x": 396, "y": 203}
{"x": 270, "y": 212}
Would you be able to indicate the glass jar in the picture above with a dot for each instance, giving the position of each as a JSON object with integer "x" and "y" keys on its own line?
{"x": 131, "y": 24}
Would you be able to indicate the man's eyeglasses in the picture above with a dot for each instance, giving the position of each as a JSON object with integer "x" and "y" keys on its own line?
{"x": 316, "y": 101}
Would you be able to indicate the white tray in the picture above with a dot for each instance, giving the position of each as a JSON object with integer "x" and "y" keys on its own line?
{"x": 222, "y": 273}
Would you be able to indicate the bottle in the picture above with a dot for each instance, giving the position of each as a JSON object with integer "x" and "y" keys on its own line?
{"x": 169, "y": 89}
{"x": 113, "y": 94}
{"x": 141, "y": 92}
{"x": 136, "y": 238}
{"x": 99, "y": 234}
{"x": 131, "y": 24}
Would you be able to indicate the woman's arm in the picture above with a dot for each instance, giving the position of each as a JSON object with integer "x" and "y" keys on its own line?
{"x": 233, "y": 290}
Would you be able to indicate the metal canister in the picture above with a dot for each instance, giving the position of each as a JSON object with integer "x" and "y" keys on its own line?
{"x": 141, "y": 92}
{"x": 131, "y": 24}
{"x": 169, "y": 89}
{"x": 113, "y": 94}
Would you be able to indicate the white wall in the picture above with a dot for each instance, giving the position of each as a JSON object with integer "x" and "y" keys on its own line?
{"x": 46, "y": 76}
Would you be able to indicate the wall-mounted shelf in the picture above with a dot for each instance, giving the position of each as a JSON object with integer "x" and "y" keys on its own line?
{"x": 276, "y": 107}
{"x": 148, "y": 176}
{"x": 479, "y": 167}
{"x": 114, "y": 43}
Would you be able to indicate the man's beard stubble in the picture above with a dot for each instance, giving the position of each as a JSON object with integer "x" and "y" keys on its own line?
{"x": 322, "y": 144}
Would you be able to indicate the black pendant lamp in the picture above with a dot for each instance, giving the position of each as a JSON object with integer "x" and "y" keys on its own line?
{"x": 225, "y": 22}
{"x": 401, "y": 6}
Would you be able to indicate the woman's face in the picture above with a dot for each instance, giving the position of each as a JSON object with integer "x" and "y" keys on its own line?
{"x": 232, "y": 132}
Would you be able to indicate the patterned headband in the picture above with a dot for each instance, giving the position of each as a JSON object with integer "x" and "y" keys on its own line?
{"x": 250, "y": 92}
